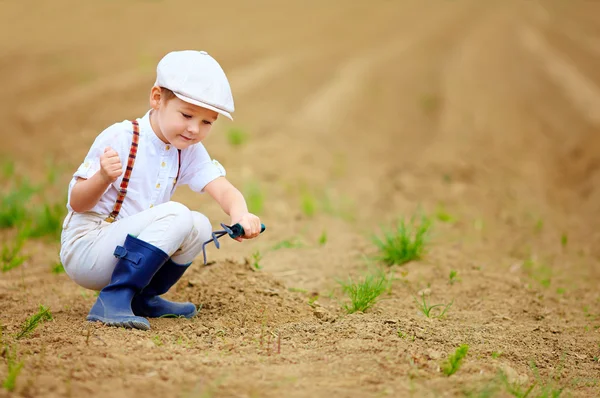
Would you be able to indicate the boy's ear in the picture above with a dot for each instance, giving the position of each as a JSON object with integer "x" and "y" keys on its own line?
{"x": 155, "y": 96}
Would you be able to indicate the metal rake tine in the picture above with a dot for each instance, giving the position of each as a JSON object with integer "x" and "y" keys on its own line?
{"x": 227, "y": 229}
{"x": 215, "y": 238}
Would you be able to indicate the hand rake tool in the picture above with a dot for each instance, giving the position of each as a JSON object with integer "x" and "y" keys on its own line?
{"x": 234, "y": 231}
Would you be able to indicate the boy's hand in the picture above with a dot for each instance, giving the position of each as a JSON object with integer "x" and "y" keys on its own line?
{"x": 251, "y": 225}
{"x": 110, "y": 165}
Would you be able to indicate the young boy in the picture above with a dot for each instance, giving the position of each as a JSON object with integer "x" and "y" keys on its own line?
{"x": 122, "y": 234}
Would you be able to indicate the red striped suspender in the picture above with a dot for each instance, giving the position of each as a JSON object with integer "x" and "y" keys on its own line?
{"x": 125, "y": 182}
{"x": 130, "y": 161}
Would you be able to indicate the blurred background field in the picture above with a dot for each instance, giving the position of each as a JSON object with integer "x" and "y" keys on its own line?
{"x": 428, "y": 171}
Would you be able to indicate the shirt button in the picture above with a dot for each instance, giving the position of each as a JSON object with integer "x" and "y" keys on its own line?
{"x": 168, "y": 147}
{"x": 163, "y": 164}
{"x": 158, "y": 185}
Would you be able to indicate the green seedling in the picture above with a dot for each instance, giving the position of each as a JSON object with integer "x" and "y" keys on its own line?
{"x": 14, "y": 368}
{"x": 254, "y": 198}
{"x": 405, "y": 244}
{"x": 453, "y": 277}
{"x": 363, "y": 294}
{"x": 157, "y": 341}
{"x": 454, "y": 361}
{"x": 442, "y": 215}
{"x": 312, "y": 299}
{"x": 539, "y": 272}
{"x": 13, "y": 210}
{"x": 237, "y": 137}
{"x": 33, "y": 321}
{"x": 426, "y": 308}
{"x": 58, "y": 268}
{"x": 11, "y": 257}
{"x": 17, "y": 207}
{"x": 564, "y": 240}
{"x": 496, "y": 354}
{"x": 293, "y": 243}
{"x": 323, "y": 238}
{"x": 48, "y": 221}
{"x": 403, "y": 335}
{"x": 256, "y": 257}
{"x": 308, "y": 203}
{"x": 539, "y": 226}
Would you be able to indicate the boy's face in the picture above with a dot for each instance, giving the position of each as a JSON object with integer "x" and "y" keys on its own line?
{"x": 179, "y": 123}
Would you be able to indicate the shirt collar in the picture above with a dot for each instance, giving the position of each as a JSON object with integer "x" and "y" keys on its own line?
{"x": 147, "y": 131}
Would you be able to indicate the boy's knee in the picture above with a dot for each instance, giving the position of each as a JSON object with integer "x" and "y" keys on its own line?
{"x": 177, "y": 209}
{"x": 202, "y": 225}
{"x": 182, "y": 216}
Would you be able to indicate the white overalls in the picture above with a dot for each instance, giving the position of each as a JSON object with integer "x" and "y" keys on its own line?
{"x": 88, "y": 240}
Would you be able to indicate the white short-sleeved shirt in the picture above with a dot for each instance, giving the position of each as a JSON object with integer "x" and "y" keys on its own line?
{"x": 154, "y": 172}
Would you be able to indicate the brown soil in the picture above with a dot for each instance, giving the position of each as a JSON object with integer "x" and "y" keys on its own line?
{"x": 490, "y": 109}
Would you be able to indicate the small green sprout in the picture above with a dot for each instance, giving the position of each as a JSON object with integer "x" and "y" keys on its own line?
{"x": 58, "y": 268}
{"x": 256, "y": 257}
{"x": 443, "y": 216}
{"x": 496, "y": 354}
{"x": 363, "y": 294}
{"x": 33, "y": 321}
{"x": 14, "y": 368}
{"x": 308, "y": 203}
{"x": 13, "y": 210}
{"x": 323, "y": 238}
{"x": 10, "y": 257}
{"x": 405, "y": 336}
{"x": 454, "y": 361}
{"x": 539, "y": 226}
{"x": 453, "y": 277}
{"x": 48, "y": 221}
{"x": 293, "y": 243}
{"x": 237, "y": 137}
{"x": 426, "y": 308}
{"x": 405, "y": 244}
{"x": 564, "y": 240}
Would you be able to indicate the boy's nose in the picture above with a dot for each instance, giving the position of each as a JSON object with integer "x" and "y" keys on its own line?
{"x": 194, "y": 128}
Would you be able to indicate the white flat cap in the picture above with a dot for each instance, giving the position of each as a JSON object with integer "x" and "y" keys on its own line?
{"x": 197, "y": 78}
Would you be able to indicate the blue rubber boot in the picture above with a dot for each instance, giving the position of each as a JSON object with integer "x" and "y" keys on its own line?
{"x": 138, "y": 262}
{"x": 147, "y": 303}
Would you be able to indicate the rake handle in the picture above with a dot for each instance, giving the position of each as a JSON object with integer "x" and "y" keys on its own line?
{"x": 237, "y": 230}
